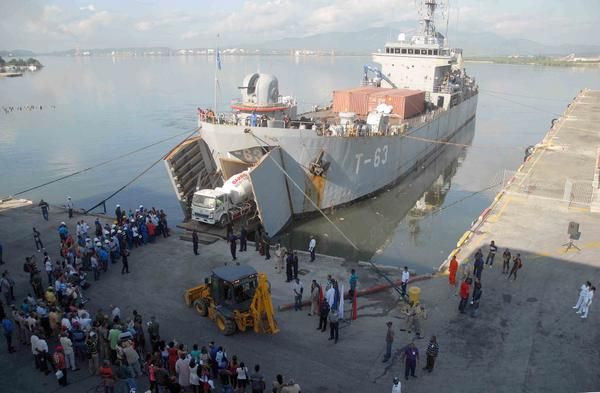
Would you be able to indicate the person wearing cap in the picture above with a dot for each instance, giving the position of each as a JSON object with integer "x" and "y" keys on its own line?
{"x": 389, "y": 340}
{"x": 63, "y": 231}
{"x": 70, "y": 206}
{"x": 61, "y": 366}
{"x": 397, "y": 386}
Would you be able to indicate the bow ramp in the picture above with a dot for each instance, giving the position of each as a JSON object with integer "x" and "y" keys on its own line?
{"x": 272, "y": 190}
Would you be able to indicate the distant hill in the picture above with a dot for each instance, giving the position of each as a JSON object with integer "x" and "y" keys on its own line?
{"x": 362, "y": 42}
{"x": 16, "y": 53}
{"x": 474, "y": 44}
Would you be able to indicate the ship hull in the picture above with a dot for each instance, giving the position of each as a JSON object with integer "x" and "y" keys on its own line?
{"x": 358, "y": 166}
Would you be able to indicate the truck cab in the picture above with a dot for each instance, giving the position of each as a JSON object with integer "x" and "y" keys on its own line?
{"x": 211, "y": 206}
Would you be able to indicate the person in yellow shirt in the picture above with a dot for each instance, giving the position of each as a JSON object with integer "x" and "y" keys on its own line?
{"x": 50, "y": 296}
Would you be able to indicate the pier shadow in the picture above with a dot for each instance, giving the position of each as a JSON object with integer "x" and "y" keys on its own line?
{"x": 526, "y": 328}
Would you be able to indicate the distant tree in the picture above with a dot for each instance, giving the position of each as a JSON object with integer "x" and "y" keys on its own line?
{"x": 17, "y": 62}
{"x": 34, "y": 62}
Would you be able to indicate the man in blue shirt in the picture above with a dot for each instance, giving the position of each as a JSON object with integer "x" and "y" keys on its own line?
{"x": 411, "y": 358}
{"x": 9, "y": 328}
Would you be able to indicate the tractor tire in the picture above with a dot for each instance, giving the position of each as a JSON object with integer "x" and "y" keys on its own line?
{"x": 201, "y": 307}
{"x": 225, "y": 325}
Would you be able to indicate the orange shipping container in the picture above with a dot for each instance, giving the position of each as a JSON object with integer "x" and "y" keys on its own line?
{"x": 354, "y": 100}
{"x": 405, "y": 103}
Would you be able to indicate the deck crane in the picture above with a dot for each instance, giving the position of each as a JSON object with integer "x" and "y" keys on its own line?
{"x": 376, "y": 81}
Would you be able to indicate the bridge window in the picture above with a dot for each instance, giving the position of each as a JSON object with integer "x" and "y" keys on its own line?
{"x": 387, "y": 50}
{"x": 417, "y": 51}
{"x": 397, "y": 50}
{"x": 410, "y": 51}
{"x": 404, "y": 51}
{"x": 435, "y": 52}
{"x": 429, "y": 52}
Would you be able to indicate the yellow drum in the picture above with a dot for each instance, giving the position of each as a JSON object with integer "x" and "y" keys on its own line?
{"x": 414, "y": 294}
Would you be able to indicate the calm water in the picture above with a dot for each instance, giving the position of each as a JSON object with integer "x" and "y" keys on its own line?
{"x": 94, "y": 109}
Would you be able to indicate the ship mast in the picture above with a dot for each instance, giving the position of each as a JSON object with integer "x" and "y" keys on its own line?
{"x": 428, "y": 14}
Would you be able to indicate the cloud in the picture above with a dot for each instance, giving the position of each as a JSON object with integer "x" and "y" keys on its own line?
{"x": 57, "y": 23}
{"x": 63, "y": 24}
{"x": 45, "y": 23}
{"x": 88, "y": 26}
{"x": 151, "y": 24}
{"x": 282, "y": 18}
{"x": 189, "y": 35}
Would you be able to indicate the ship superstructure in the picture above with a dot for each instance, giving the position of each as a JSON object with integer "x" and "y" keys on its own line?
{"x": 369, "y": 138}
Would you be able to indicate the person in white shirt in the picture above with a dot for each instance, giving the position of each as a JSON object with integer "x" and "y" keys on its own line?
{"x": 67, "y": 345}
{"x": 311, "y": 248}
{"x": 66, "y": 323}
{"x": 587, "y": 302}
{"x": 298, "y": 289}
{"x": 405, "y": 278}
{"x": 70, "y": 206}
{"x": 582, "y": 294}
{"x": 116, "y": 312}
{"x": 48, "y": 267}
{"x": 41, "y": 351}
{"x": 397, "y": 386}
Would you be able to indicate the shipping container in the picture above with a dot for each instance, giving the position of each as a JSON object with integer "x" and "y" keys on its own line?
{"x": 405, "y": 103}
{"x": 354, "y": 100}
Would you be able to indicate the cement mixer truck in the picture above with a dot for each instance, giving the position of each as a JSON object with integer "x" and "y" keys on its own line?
{"x": 224, "y": 204}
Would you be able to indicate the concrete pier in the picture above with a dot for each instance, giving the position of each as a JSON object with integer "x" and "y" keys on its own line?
{"x": 527, "y": 337}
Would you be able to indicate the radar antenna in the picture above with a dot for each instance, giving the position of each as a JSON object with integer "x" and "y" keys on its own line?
{"x": 427, "y": 13}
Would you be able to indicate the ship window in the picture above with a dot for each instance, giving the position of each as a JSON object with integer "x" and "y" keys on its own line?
{"x": 410, "y": 51}
{"x": 397, "y": 50}
{"x": 435, "y": 52}
{"x": 429, "y": 52}
{"x": 404, "y": 51}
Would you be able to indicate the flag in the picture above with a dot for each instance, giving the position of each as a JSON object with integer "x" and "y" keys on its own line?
{"x": 218, "y": 59}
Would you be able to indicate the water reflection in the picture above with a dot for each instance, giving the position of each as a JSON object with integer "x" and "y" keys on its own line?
{"x": 372, "y": 223}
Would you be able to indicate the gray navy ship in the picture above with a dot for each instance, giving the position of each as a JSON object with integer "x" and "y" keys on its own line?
{"x": 371, "y": 137}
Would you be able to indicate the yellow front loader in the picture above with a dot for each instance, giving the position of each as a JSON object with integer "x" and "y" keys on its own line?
{"x": 236, "y": 298}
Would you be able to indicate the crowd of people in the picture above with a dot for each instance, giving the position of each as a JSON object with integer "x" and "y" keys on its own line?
{"x": 475, "y": 279}
{"x": 54, "y": 323}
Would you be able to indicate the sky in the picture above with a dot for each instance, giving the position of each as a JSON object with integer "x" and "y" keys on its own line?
{"x": 66, "y": 24}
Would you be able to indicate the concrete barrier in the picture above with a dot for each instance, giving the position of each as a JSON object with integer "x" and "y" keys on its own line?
{"x": 364, "y": 292}
{"x": 463, "y": 239}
